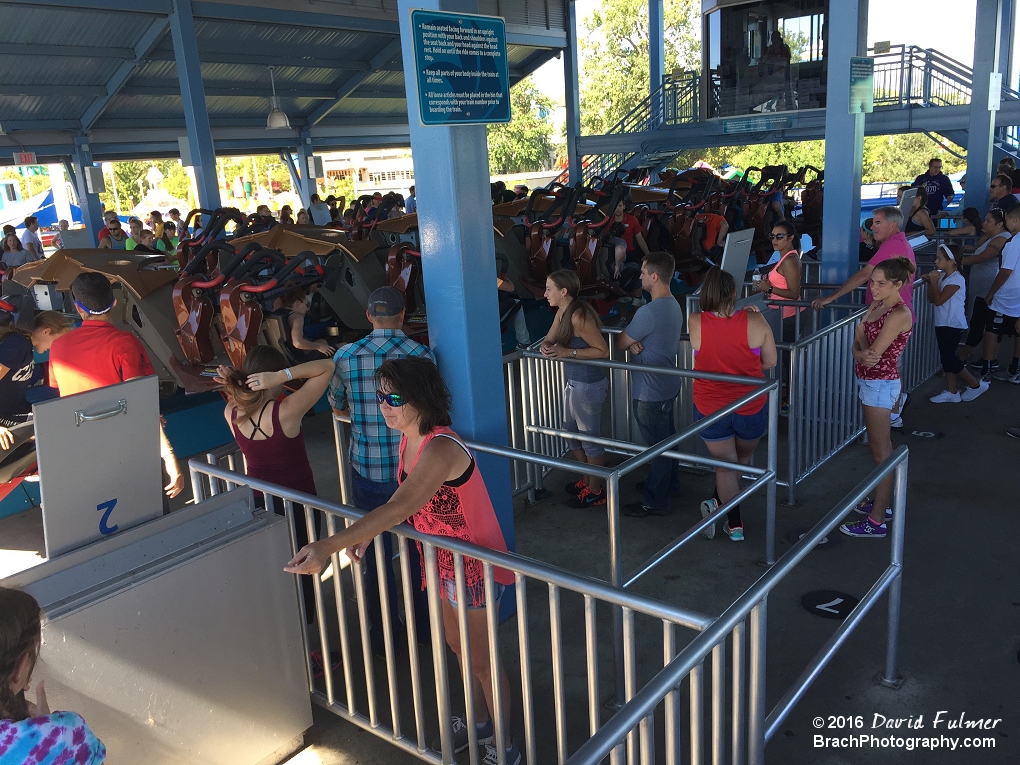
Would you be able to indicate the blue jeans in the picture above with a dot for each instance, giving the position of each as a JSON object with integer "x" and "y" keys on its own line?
{"x": 367, "y": 496}
{"x": 655, "y": 420}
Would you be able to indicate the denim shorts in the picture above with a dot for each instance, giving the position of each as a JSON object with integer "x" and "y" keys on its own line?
{"x": 450, "y": 588}
{"x": 746, "y": 427}
{"x": 582, "y": 413}
{"x": 881, "y": 394}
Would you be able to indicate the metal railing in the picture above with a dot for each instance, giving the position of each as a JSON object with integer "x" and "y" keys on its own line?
{"x": 384, "y": 706}
{"x": 752, "y": 728}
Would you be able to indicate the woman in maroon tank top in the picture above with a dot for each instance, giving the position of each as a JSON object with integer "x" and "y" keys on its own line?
{"x": 267, "y": 427}
{"x": 731, "y": 342}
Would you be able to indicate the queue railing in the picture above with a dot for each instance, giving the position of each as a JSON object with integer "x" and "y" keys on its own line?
{"x": 396, "y": 704}
{"x": 744, "y": 626}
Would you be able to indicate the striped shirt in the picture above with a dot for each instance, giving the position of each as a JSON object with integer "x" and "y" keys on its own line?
{"x": 375, "y": 449}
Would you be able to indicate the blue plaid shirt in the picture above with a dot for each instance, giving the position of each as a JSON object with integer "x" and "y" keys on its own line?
{"x": 374, "y": 446}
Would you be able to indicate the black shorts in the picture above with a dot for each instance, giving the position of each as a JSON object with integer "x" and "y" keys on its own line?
{"x": 1001, "y": 325}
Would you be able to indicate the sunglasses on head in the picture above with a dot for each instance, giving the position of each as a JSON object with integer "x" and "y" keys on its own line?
{"x": 390, "y": 399}
{"x": 778, "y": 236}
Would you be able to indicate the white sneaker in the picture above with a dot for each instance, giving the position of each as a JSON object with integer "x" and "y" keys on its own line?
{"x": 945, "y": 397}
{"x": 708, "y": 507}
{"x": 969, "y": 394}
{"x": 895, "y": 421}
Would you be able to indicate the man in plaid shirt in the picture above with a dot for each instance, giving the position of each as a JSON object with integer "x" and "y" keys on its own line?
{"x": 375, "y": 448}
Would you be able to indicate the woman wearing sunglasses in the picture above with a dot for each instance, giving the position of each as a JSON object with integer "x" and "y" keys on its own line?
{"x": 442, "y": 492}
{"x": 783, "y": 281}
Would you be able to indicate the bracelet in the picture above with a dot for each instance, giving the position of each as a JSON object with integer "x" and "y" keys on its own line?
{"x": 290, "y": 375}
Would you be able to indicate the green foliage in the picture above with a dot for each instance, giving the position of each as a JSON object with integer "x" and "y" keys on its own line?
{"x": 525, "y": 143}
{"x": 887, "y": 158}
{"x": 614, "y": 56}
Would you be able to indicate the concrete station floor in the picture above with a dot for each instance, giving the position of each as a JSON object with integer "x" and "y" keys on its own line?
{"x": 960, "y": 627}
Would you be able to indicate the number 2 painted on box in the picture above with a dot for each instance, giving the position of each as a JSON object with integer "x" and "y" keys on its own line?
{"x": 108, "y": 507}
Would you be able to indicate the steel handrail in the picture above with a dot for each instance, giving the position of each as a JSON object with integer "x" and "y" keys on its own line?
{"x": 512, "y": 561}
{"x": 628, "y": 717}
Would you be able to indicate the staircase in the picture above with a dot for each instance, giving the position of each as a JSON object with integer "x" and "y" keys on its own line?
{"x": 906, "y": 77}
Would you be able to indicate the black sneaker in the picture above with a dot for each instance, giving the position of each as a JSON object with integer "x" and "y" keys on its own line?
{"x": 575, "y": 487}
{"x": 637, "y": 510}
{"x": 588, "y": 498}
{"x": 460, "y": 735}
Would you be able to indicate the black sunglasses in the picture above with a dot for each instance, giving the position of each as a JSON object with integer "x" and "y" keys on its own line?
{"x": 778, "y": 236}
{"x": 391, "y": 399}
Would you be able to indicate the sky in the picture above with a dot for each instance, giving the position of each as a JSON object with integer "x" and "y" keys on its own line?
{"x": 945, "y": 25}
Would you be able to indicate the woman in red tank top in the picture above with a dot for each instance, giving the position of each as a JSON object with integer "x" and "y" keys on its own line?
{"x": 442, "y": 492}
{"x": 731, "y": 342}
{"x": 878, "y": 343}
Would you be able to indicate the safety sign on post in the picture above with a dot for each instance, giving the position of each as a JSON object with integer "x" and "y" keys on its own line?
{"x": 25, "y": 158}
{"x": 862, "y": 85}
{"x": 461, "y": 66}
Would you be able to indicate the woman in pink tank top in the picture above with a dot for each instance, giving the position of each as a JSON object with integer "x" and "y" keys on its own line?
{"x": 442, "y": 493}
{"x": 783, "y": 281}
{"x": 878, "y": 343}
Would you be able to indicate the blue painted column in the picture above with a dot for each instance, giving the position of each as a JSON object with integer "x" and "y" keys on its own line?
{"x": 572, "y": 96}
{"x": 295, "y": 176}
{"x": 91, "y": 206}
{"x": 308, "y": 184}
{"x": 844, "y": 144}
{"x": 656, "y": 54}
{"x": 196, "y": 115}
{"x": 1008, "y": 14}
{"x": 451, "y": 171}
{"x": 982, "y": 121}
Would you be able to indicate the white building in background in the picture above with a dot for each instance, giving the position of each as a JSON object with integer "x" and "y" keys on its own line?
{"x": 381, "y": 170}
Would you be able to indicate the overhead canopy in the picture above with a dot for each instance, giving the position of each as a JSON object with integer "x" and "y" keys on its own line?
{"x": 107, "y": 69}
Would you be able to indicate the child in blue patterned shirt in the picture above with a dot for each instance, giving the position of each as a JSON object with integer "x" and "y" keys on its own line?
{"x": 29, "y": 733}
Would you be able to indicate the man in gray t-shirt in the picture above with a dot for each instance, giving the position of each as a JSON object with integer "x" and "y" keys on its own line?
{"x": 653, "y": 339}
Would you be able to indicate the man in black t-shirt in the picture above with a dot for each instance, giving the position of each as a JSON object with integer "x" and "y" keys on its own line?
{"x": 16, "y": 367}
{"x": 1000, "y": 194}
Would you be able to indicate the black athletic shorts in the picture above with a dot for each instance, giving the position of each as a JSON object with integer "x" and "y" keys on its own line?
{"x": 1001, "y": 324}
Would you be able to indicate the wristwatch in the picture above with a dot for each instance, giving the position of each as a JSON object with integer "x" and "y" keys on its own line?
{"x": 573, "y": 352}
{"x": 769, "y": 290}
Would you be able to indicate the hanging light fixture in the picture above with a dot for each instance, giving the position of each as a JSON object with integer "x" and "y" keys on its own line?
{"x": 277, "y": 117}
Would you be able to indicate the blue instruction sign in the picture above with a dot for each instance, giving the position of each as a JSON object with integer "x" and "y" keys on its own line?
{"x": 460, "y": 61}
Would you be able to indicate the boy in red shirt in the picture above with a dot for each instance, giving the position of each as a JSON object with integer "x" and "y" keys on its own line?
{"x": 98, "y": 354}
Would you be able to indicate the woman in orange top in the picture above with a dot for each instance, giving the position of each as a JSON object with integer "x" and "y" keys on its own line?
{"x": 783, "y": 281}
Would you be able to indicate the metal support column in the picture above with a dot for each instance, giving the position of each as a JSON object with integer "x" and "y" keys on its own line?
{"x": 1006, "y": 20}
{"x": 295, "y": 177}
{"x": 91, "y": 207}
{"x": 844, "y": 144}
{"x": 982, "y": 120}
{"x": 572, "y": 96}
{"x": 656, "y": 55}
{"x": 307, "y": 183}
{"x": 196, "y": 115}
{"x": 459, "y": 265}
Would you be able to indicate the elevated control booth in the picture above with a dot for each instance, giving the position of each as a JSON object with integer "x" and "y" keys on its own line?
{"x": 764, "y": 56}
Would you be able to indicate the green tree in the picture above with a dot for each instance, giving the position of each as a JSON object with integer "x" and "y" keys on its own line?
{"x": 887, "y": 158}
{"x": 614, "y": 56}
{"x": 525, "y": 143}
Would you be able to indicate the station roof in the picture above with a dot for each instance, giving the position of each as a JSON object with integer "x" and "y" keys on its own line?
{"x": 107, "y": 69}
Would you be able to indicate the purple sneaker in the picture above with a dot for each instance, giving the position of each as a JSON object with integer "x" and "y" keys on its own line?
{"x": 865, "y": 508}
{"x": 863, "y": 528}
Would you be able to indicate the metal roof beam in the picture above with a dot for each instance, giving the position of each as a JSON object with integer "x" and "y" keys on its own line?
{"x": 76, "y": 51}
{"x": 7, "y": 89}
{"x": 293, "y": 17}
{"x": 234, "y": 91}
{"x": 161, "y": 7}
{"x": 141, "y": 49}
{"x": 382, "y": 57}
{"x": 266, "y": 59}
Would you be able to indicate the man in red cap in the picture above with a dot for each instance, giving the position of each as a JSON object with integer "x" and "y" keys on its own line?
{"x": 373, "y": 209}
